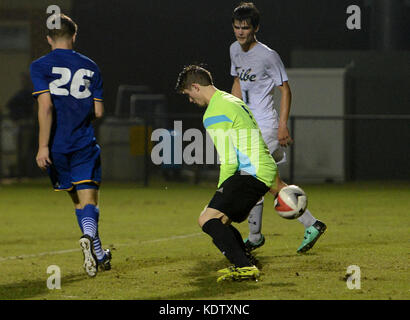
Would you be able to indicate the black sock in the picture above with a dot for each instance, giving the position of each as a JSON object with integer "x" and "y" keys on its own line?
{"x": 225, "y": 240}
{"x": 238, "y": 236}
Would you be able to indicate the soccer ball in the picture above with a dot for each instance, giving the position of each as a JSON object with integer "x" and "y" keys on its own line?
{"x": 291, "y": 202}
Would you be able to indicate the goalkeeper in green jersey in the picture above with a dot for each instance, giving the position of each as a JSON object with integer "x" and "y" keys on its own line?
{"x": 247, "y": 170}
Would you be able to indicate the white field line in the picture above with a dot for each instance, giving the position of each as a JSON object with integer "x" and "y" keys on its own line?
{"x": 35, "y": 255}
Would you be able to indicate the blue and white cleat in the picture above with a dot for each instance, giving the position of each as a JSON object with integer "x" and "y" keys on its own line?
{"x": 90, "y": 260}
{"x": 105, "y": 263}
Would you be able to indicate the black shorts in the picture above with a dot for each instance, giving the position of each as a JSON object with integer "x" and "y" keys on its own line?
{"x": 238, "y": 195}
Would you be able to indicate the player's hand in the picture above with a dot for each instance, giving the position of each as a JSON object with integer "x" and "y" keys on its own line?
{"x": 42, "y": 158}
{"x": 284, "y": 136}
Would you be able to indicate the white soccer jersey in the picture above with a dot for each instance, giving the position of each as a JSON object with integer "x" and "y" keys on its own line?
{"x": 259, "y": 70}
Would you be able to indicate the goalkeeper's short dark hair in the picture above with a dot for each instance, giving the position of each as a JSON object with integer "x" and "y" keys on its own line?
{"x": 193, "y": 74}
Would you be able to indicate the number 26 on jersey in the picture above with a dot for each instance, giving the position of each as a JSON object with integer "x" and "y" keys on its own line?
{"x": 78, "y": 82}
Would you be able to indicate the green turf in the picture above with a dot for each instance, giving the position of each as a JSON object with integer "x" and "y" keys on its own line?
{"x": 160, "y": 252}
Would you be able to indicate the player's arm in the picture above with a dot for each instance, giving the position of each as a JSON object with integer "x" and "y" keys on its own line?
{"x": 45, "y": 120}
{"x": 276, "y": 70}
{"x": 236, "y": 88}
{"x": 98, "y": 109}
{"x": 286, "y": 97}
{"x": 97, "y": 89}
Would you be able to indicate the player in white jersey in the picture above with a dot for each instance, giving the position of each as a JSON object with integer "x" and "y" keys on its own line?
{"x": 257, "y": 71}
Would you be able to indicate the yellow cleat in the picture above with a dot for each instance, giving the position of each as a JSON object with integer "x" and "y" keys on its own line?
{"x": 227, "y": 270}
{"x": 239, "y": 274}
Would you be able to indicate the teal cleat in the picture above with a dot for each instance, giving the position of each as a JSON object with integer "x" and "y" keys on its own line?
{"x": 312, "y": 234}
{"x": 250, "y": 246}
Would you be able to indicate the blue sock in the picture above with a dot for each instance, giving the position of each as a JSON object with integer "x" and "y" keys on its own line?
{"x": 78, "y": 213}
{"x": 89, "y": 220}
{"x": 97, "y": 242}
{"x": 99, "y": 252}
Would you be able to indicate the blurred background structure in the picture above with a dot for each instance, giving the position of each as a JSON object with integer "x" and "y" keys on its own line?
{"x": 351, "y": 88}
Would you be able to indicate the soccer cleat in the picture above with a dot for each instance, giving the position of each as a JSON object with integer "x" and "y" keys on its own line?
{"x": 239, "y": 274}
{"x": 311, "y": 235}
{"x": 252, "y": 259}
{"x": 90, "y": 260}
{"x": 105, "y": 263}
{"x": 250, "y": 246}
{"x": 227, "y": 270}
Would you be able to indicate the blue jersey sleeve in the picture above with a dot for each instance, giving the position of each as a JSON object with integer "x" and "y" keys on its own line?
{"x": 39, "y": 80}
{"x": 98, "y": 86}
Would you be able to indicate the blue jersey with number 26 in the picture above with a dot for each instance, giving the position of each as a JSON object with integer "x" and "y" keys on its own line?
{"x": 74, "y": 82}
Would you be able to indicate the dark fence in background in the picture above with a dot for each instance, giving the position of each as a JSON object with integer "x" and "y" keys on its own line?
{"x": 18, "y": 146}
{"x": 386, "y": 163}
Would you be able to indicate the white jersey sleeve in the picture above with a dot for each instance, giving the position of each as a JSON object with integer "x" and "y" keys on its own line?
{"x": 275, "y": 68}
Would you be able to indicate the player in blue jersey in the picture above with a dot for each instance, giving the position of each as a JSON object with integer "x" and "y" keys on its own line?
{"x": 69, "y": 91}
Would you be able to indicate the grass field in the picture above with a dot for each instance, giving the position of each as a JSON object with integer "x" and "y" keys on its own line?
{"x": 159, "y": 252}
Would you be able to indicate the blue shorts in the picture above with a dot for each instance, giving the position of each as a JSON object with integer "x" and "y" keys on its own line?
{"x": 76, "y": 170}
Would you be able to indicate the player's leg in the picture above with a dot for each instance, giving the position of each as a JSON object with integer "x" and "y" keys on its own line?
{"x": 60, "y": 175}
{"x": 240, "y": 240}
{"x": 229, "y": 241}
{"x": 233, "y": 202}
{"x": 314, "y": 228}
{"x": 87, "y": 211}
{"x": 86, "y": 176}
{"x": 216, "y": 225}
{"x": 237, "y": 235}
{"x": 88, "y": 197}
{"x": 255, "y": 238}
{"x": 307, "y": 219}
{"x": 87, "y": 220}
{"x": 88, "y": 193}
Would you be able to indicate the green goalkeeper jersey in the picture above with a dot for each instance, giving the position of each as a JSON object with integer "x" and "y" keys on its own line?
{"x": 237, "y": 139}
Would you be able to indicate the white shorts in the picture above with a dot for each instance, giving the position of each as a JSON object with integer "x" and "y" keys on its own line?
{"x": 270, "y": 136}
